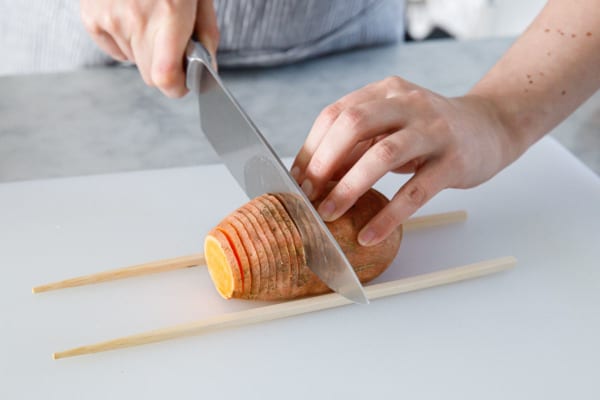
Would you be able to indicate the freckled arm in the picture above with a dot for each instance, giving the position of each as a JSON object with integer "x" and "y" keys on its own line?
{"x": 551, "y": 69}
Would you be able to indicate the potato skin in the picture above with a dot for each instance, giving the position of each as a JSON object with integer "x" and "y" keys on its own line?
{"x": 368, "y": 262}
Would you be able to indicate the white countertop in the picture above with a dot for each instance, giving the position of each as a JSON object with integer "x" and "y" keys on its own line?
{"x": 524, "y": 334}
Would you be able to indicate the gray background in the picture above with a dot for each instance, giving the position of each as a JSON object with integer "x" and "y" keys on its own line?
{"x": 105, "y": 120}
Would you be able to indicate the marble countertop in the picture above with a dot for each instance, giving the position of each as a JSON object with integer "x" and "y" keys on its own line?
{"x": 105, "y": 120}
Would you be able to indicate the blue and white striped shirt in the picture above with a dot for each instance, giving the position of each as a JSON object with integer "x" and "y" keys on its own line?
{"x": 48, "y": 35}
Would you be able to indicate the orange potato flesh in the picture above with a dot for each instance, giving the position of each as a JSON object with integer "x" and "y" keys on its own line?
{"x": 221, "y": 262}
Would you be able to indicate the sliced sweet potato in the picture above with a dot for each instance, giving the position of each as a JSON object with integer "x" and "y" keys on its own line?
{"x": 279, "y": 250}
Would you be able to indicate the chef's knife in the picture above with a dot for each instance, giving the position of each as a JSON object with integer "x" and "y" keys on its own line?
{"x": 258, "y": 170}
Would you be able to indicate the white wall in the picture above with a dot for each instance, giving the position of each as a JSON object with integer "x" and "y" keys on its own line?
{"x": 468, "y": 19}
{"x": 510, "y": 17}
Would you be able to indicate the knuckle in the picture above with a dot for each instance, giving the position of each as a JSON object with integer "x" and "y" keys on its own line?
{"x": 90, "y": 23}
{"x": 415, "y": 194}
{"x": 345, "y": 190}
{"x": 110, "y": 23}
{"x": 459, "y": 163}
{"x": 387, "y": 220}
{"x": 418, "y": 97}
{"x": 440, "y": 124}
{"x": 352, "y": 118}
{"x": 170, "y": 7}
{"x": 167, "y": 76}
{"x": 394, "y": 83}
{"x": 386, "y": 151}
{"x": 133, "y": 15}
{"x": 315, "y": 167}
{"x": 332, "y": 111}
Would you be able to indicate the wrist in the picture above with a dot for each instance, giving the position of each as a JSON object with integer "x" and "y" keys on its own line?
{"x": 517, "y": 125}
{"x": 511, "y": 138}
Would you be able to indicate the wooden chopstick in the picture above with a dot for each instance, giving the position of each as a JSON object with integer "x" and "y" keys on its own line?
{"x": 427, "y": 221}
{"x": 433, "y": 220}
{"x": 296, "y": 307}
{"x": 127, "y": 272}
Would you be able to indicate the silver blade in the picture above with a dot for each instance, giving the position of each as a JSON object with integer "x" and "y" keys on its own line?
{"x": 258, "y": 170}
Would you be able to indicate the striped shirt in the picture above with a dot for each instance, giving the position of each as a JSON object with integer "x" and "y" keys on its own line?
{"x": 48, "y": 35}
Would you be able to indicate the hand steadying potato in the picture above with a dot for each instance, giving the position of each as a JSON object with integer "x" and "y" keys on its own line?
{"x": 396, "y": 126}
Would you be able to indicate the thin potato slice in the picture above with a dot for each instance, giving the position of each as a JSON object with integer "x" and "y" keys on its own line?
{"x": 259, "y": 237}
{"x": 240, "y": 253}
{"x": 283, "y": 221}
{"x": 250, "y": 287}
{"x": 260, "y": 259}
{"x": 303, "y": 276}
{"x": 223, "y": 264}
{"x": 281, "y": 240}
{"x": 272, "y": 249}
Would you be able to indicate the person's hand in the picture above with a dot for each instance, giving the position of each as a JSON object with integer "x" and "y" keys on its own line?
{"x": 394, "y": 125}
{"x": 152, "y": 34}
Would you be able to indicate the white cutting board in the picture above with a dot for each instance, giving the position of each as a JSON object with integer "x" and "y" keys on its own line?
{"x": 529, "y": 333}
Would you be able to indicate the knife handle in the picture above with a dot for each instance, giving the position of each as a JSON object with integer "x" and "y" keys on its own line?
{"x": 197, "y": 59}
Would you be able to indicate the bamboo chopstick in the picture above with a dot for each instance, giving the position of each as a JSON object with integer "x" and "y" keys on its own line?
{"x": 432, "y": 220}
{"x": 427, "y": 221}
{"x": 296, "y": 307}
{"x": 127, "y": 272}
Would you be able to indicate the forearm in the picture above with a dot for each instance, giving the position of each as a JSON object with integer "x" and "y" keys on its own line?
{"x": 548, "y": 72}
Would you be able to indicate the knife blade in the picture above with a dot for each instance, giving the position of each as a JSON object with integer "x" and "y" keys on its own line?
{"x": 258, "y": 170}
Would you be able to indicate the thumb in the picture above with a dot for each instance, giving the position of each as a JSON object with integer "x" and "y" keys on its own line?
{"x": 206, "y": 29}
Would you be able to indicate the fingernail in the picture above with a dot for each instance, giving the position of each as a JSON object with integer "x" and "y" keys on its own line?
{"x": 307, "y": 187}
{"x": 295, "y": 173}
{"x": 366, "y": 237}
{"x": 326, "y": 210}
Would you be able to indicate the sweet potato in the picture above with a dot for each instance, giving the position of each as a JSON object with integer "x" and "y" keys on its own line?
{"x": 257, "y": 253}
